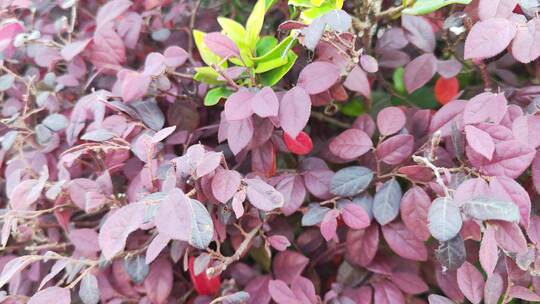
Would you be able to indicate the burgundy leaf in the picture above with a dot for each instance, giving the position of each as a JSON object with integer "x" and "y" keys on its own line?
{"x": 289, "y": 265}
{"x": 404, "y": 242}
{"x": 362, "y": 245}
{"x": 387, "y": 293}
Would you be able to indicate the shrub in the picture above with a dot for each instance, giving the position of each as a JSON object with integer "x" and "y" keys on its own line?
{"x": 309, "y": 151}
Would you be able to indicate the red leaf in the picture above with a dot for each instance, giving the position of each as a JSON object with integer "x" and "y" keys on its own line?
{"x": 202, "y": 283}
{"x": 300, "y": 145}
{"x": 446, "y": 89}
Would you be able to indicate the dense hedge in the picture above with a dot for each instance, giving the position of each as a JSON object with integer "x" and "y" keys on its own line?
{"x": 309, "y": 151}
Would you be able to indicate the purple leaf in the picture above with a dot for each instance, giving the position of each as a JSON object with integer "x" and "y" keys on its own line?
{"x": 471, "y": 282}
{"x": 110, "y": 11}
{"x": 392, "y": 39}
{"x": 489, "y": 253}
{"x": 239, "y": 134}
{"x": 134, "y": 86}
{"x": 281, "y": 293}
{"x": 73, "y": 49}
{"x": 294, "y": 192}
{"x": 509, "y": 237}
{"x": 172, "y": 218}
{"x": 505, "y": 188}
{"x": 369, "y": 64}
{"x": 318, "y": 77}
{"x": 488, "y": 38}
{"x": 262, "y": 195}
{"x": 395, "y": 149}
{"x": 386, "y": 202}
{"x": 357, "y": 81}
{"x": 526, "y": 45}
{"x": 279, "y": 242}
{"x": 493, "y": 289}
{"x": 446, "y": 116}
{"x": 355, "y": 216}
{"x": 175, "y": 56}
{"x": 496, "y": 8}
{"x": 239, "y": 105}
{"x": 156, "y": 246}
{"x": 329, "y": 224}
{"x": 480, "y": 141}
{"x": 265, "y": 103}
{"x": 387, "y": 293}
{"x": 221, "y": 45}
{"x": 225, "y": 183}
{"x": 159, "y": 281}
{"x": 511, "y": 158}
{"x": 351, "y": 144}
{"x": 154, "y": 64}
{"x": 351, "y": 181}
{"x": 485, "y": 107}
{"x": 520, "y": 292}
{"x": 304, "y": 290}
{"x": 362, "y": 245}
{"x": 404, "y": 242}
{"x": 419, "y": 32}
{"x": 419, "y": 71}
{"x": 414, "y": 211}
{"x": 288, "y": 265}
{"x": 117, "y": 227}
{"x": 51, "y": 295}
{"x": 294, "y": 111}
{"x": 448, "y": 68}
{"x": 390, "y": 120}
{"x": 410, "y": 283}
{"x": 444, "y": 219}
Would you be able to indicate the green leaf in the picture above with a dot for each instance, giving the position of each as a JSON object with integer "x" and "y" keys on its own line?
{"x": 423, "y": 7}
{"x": 265, "y": 45}
{"x": 309, "y": 14}
{"x": 214, "y": 95}
{"x": 207, "y": 75}
{"x": 254, "y": 24}
{"x": 272, "y": 77}
{"x": 301, "y": 3}
{"x": 279, "y": 51}
{"x": 207, "y": 56}
{"x": 233, "y": 30}
{"x": 269, "y": 4}
{"x": 266, "y": 66}
{"x": 353, "y": 108}
{"x": 397, "y": 77}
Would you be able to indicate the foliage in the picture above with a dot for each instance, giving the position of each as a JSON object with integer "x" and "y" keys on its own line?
{"x": 309, "y": 151}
